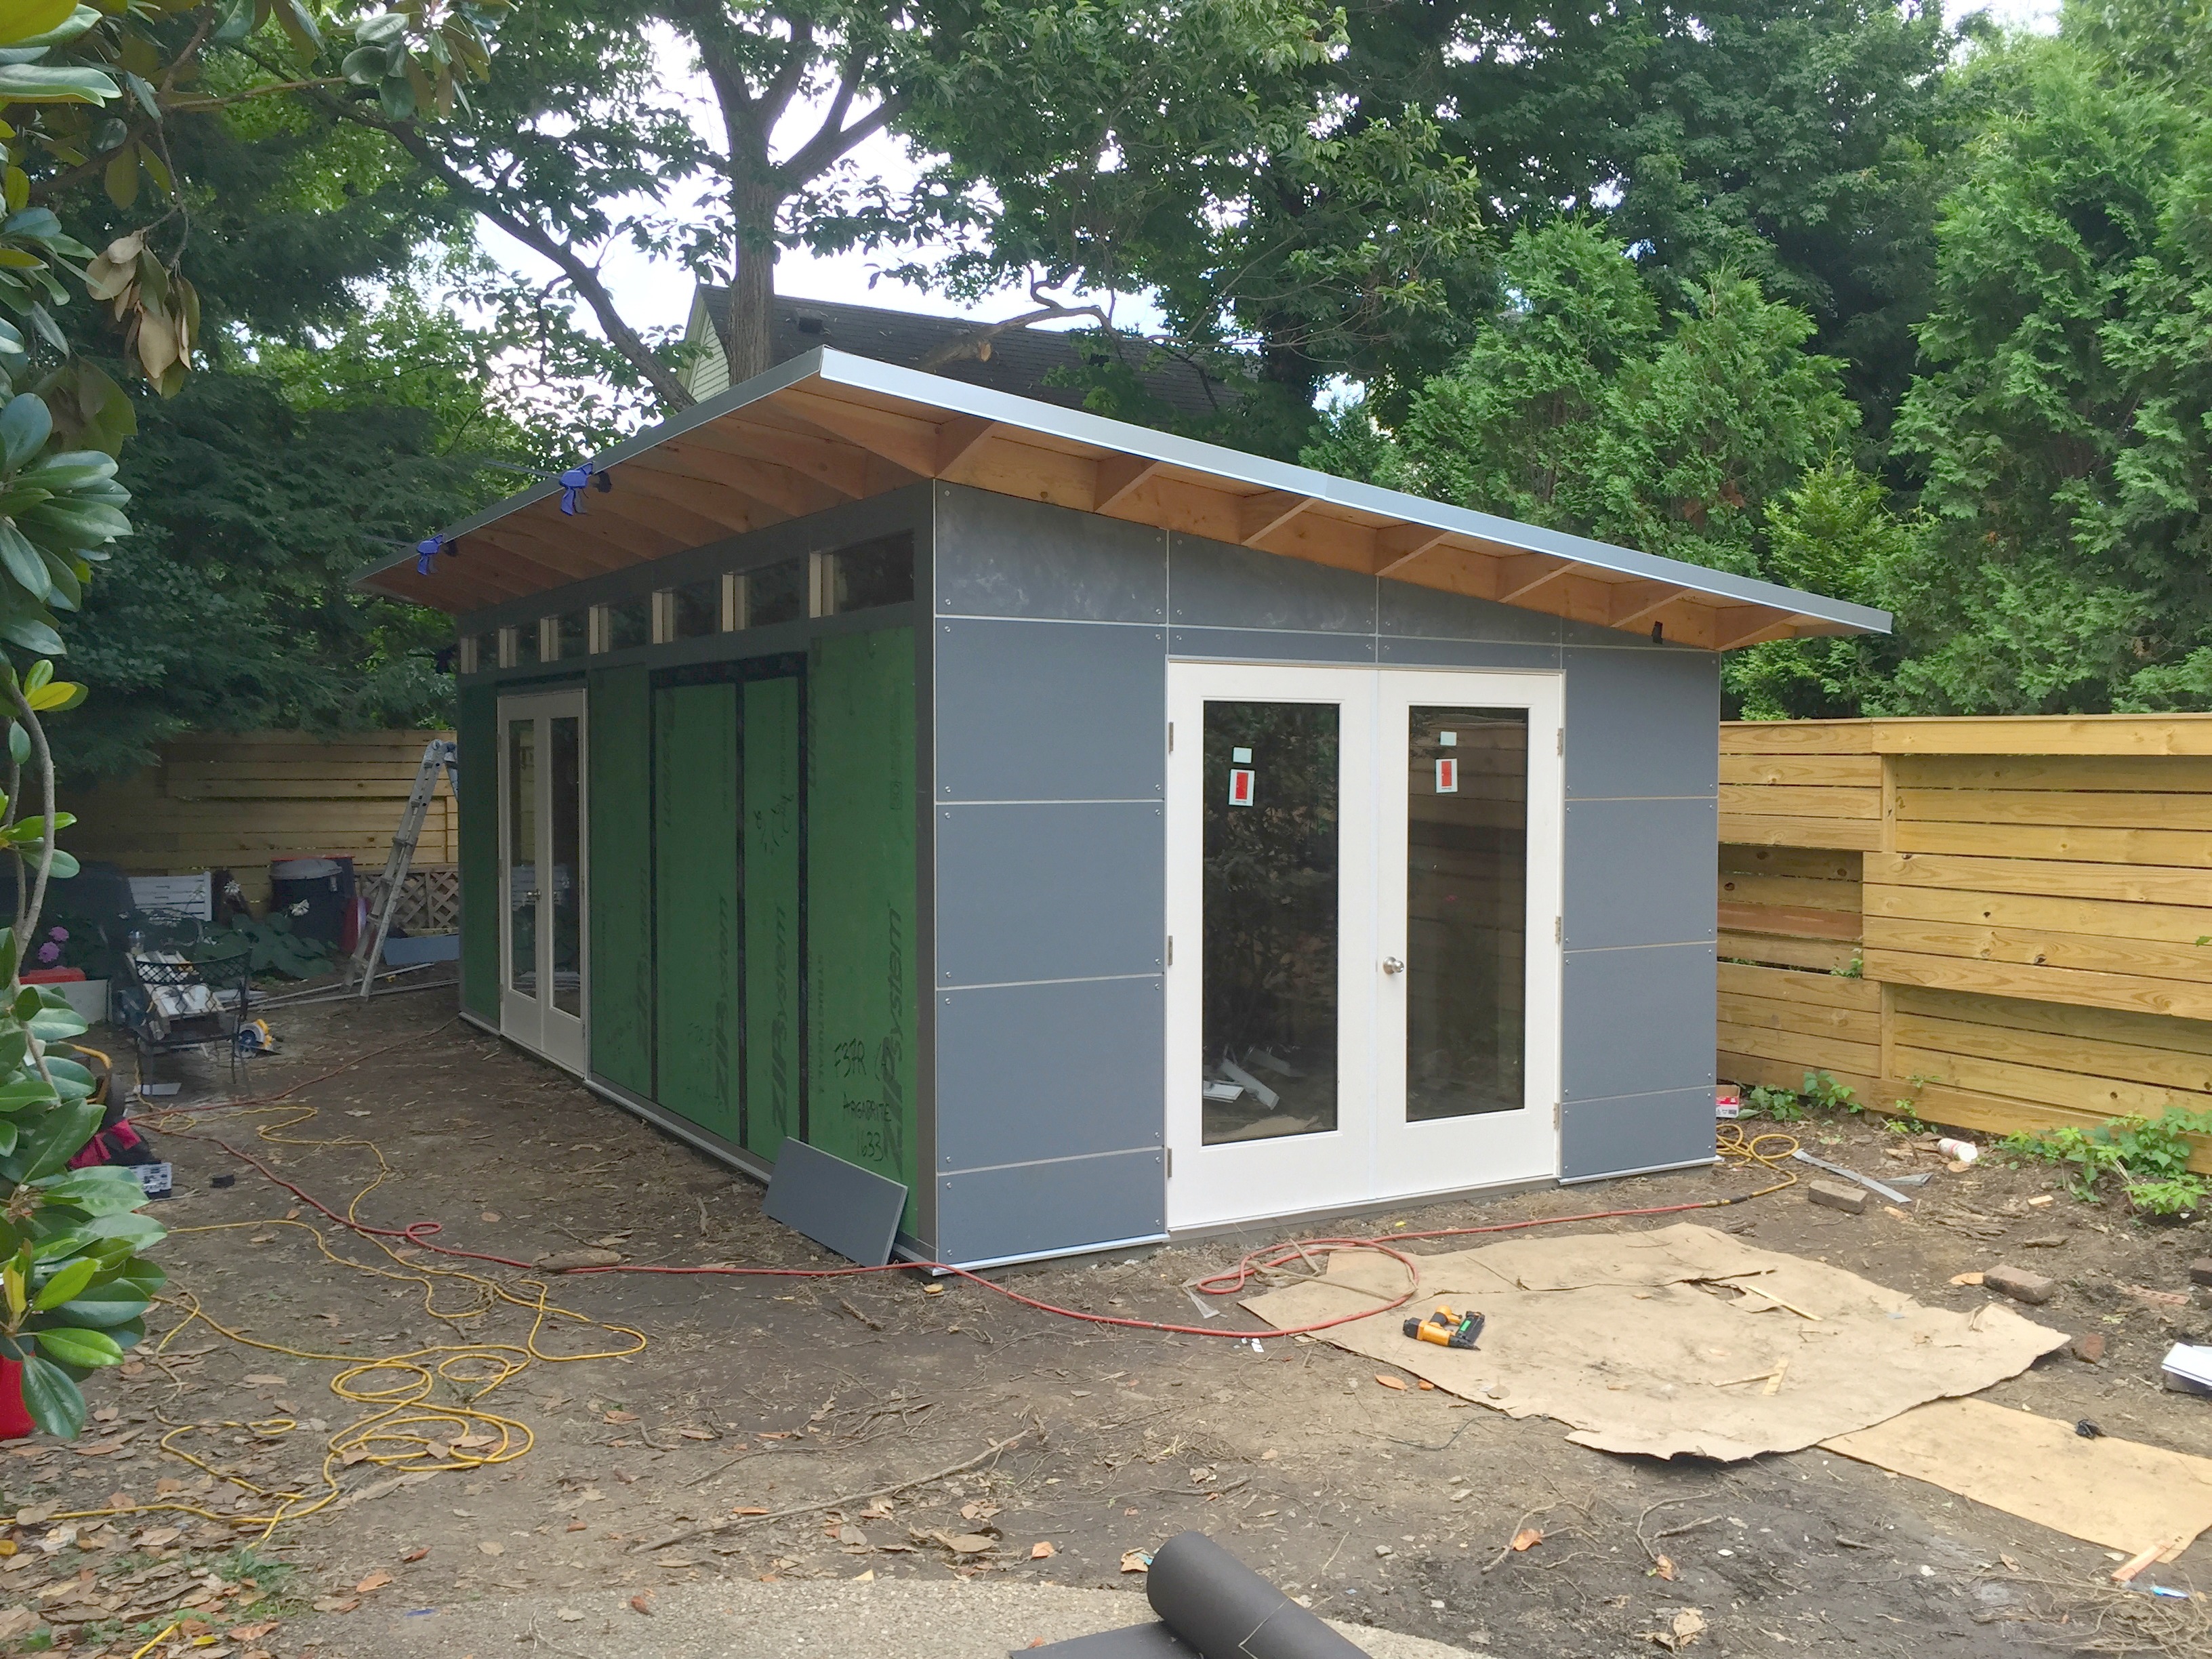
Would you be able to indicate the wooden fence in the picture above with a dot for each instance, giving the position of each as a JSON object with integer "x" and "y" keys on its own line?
{"x": 2003, "y": 924}
{"x": 236, "y": 803}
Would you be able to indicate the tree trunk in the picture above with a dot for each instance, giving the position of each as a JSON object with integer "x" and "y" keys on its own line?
{"x": 750, "y": 323}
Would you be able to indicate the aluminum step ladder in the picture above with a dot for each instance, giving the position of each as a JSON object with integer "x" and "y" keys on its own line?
{"x": 440, "y": 757}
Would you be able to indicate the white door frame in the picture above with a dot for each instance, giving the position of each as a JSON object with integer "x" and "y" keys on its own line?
{"x": 1373, "y": 1154}
{"x": 533, "y": 1021}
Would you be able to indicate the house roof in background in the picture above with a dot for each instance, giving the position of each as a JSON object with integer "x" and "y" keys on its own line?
{"x": 829, "y": 427}
{"x": 1021, "y": 361}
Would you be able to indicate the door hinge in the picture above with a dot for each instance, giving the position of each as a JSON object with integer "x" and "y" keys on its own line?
{"x": 1559, "y": 741}
{"x": 1172, "y": 736}
{"x": 1171, "y": 1162}
{"x": 1170, "y": 949}
{"x": 1559, "y": 930}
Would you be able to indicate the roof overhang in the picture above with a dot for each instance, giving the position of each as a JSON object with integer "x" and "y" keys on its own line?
{"x": 829, "y": 427}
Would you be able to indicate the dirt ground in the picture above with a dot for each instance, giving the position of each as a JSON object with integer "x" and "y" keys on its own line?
{"x": 1385, "y": 1507}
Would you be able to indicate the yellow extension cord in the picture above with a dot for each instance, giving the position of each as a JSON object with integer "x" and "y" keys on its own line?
{"x": 404, "y": 1432}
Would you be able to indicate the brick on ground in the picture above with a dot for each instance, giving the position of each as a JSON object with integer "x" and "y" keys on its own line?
{"x": 1851, "y": 1200}
{"x": 2021, "y": 1285}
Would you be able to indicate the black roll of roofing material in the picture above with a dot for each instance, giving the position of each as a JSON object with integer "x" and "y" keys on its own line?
{"x": 1223, "y": 1610}
{"x": 1211, "y": 1606}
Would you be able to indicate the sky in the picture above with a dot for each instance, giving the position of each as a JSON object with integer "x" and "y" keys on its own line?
{"x": 658, "y": 294}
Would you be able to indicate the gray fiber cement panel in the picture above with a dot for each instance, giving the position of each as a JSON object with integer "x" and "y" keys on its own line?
{"x": 1050, "y": 711}
{"x": 997, "y": 556}
{"x": 1636, "y": 1022}
{"x": 1497, "y": 655}
{"x": 1028, "y": 1071}
{"x": 1034, "y": 1209}
{"x": 1429, "y": 613}
{"x": 1642, "y": 720}
{"x": 1654, "y": 1131}
{"x": 1216, "y": 584}
{"x": 1263, "y": 645}
{"x": 1066, "y": 890}
{"x": 1639, "y": 872}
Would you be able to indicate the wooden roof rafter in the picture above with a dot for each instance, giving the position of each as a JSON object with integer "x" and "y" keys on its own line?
{"x": 827, "y": 427}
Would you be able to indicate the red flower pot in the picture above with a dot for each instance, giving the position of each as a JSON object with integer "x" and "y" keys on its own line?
{"x": 14, "y": 1422}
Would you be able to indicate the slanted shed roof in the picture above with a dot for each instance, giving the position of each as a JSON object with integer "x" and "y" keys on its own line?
{"x": 829, "y": 427}
{"x": 1022, "y": 361}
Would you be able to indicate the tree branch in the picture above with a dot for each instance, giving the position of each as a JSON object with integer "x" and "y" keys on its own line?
{"x": 831, "y": 143}
{"x": 581, "y": 276}
{"x": 978, "y": 344}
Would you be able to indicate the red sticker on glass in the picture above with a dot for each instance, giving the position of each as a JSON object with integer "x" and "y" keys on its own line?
{"x": 1240, "y": 785}
{"x": 1448, "y": 777}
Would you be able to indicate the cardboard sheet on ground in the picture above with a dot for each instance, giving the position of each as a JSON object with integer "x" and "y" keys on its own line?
{"x": 2119, "y": 1493}
{"x": 1669, "y": 1342}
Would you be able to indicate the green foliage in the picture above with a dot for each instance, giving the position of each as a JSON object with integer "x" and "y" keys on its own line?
{"x": 2060, "y": 415}
{"x": 265, "y": 944}
{"x": 2149, "y": 1156}
{"x": 1583, "y": 408}
{"x": 1821, "y": 1093}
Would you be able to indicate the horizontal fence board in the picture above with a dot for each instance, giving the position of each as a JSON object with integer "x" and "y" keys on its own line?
{"x": 1783, "y": 800}
{"x": 2170, "y": 848}
{"x": 2084, "y": 1057}
{"x": 1791, "y": 892}
{"x": 2159, "y": 924}
{"x": 1806, "y": 863}
{"x": 2100, "y": 1096}
{"x": 1797, "y": 738}
{"x": 1862, "y": 771}
{"x": 1792, "y": 922}
{"x": 2099, "y": 990}
{"x": 2094, "y": 1024}
{"x": 2083, "y": 808}
{"x": 1818, "y": 955}
{"x": 2036, "y": 948}
{"x": 1759, "y": 828}
{"x": 1818, "y": 1050}
{"x": 2048, "y": 878}
{"x": 2046, "y": 735}
{"x": 2152, "y": 775}
{"x": 1798, "y": 985}
{"x": 1759, "y": 1013}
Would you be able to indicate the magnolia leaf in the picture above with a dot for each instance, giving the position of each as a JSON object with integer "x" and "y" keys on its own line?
{"x": 61, "y": 695}
{"x": 132, "y": 1228}
{"x": 33, "y": 634}
{"x": 81, "y": 20}
{"x": 25, "y": 1092}
{"x": 57, "y": 1024}
{"x": 56, "y": 1138}
{"x": 50, "y": 1396}
{"x": 64, "y": 1283}
{"x": 22, "y": 563}
{"x": 104, "y": 1189}
{"x": 104, "y": 1306}
{"x": 79, "y": 1347}
{"x": 53, "y": 83}
{"x": 25, "y": 20}
{"x": 25, "y": 425}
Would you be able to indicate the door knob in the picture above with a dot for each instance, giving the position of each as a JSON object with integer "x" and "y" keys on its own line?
{"x": 1392, "y": 965}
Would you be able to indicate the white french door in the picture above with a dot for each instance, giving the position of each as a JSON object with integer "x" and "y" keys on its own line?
{"x": 543, "y": 941}
{"x": 1363, "y": 971}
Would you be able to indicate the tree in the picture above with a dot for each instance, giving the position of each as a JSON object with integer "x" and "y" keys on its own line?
{"x": 1581, "y": 406}
{"x": 2063, "y": 416}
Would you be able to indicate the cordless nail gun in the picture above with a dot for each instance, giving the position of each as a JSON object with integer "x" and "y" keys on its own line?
{"x": 1446, "y": 1329}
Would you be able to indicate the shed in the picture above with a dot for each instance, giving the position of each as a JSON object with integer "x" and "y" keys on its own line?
{"x": 1103, "y": 834}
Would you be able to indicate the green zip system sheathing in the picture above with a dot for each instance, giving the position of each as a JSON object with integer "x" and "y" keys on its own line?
{"x": 476, "y": 726}
{"x": 697, "y": 1038}
{"x": 861, "y": 901}
{"x": 620, "y": 708}
{"x": 774, "y": 988}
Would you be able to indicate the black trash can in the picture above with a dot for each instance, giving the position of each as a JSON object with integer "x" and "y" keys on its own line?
{"x": 324, "y": 886}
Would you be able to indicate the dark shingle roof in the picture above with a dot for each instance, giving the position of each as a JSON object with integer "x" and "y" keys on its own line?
{"x": 1022, "y": 361}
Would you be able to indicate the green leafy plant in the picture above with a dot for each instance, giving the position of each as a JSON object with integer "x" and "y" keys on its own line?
{"x": 75, "y": 1285}
{"x": 1821, "y": 1093}
{"x": 1778, "y": 1105}
{"x": 2149, "y": 1156}
{"x": 261, "y": 945}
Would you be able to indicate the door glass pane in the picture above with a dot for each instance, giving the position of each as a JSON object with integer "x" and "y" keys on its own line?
{"x": 1271, "y": 930}
{"x": 565, "y": 833}
{"x": 1467, "y": 904}
{"x": 522, "y": 856}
